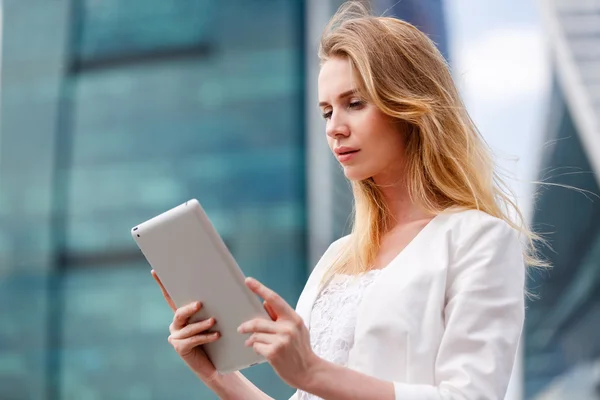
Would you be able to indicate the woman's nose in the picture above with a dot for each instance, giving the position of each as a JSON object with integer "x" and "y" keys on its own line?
{"x": 337, "y": 127}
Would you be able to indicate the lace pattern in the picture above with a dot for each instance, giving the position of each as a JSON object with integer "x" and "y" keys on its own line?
{"x": 333, "y": 319}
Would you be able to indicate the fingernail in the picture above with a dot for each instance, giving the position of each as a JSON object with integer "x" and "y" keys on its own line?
{"x": 240, "y": 329}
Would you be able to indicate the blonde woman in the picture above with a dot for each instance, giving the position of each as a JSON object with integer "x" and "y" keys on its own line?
{"x": 424, "y": 300}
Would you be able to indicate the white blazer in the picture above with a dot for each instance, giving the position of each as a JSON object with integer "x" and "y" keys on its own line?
{"x": 444, "y": 318}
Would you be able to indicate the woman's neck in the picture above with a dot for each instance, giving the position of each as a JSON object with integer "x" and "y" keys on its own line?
{"x": 399, "y": 204}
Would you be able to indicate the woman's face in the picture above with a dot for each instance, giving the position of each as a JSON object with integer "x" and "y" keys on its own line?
{"x": 365, "y": 141}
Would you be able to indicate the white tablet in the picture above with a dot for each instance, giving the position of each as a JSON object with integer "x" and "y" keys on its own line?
{"x": 194, "y": 264}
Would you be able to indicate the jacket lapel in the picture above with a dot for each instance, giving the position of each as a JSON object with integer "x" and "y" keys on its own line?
{"x": 311, "y": 289}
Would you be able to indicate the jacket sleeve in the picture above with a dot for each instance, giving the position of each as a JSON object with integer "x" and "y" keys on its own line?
{"x": 484, "y": 315}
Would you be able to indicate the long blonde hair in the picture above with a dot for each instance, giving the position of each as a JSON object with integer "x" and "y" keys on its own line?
{"x": 448, "y": 164}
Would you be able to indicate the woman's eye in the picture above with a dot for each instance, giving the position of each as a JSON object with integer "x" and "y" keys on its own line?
{"x": 353, "y": 105}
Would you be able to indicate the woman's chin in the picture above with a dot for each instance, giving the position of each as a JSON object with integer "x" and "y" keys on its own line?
{"x": 355, "y": 174}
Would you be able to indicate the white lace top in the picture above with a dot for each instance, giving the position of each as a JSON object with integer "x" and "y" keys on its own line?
{"x": 333, "y": 319}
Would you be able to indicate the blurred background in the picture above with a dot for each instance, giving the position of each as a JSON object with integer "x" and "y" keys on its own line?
{"x": 113, "y": 111}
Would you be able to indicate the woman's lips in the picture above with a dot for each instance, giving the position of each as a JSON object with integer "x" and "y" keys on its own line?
{"x": 347, "y": 156}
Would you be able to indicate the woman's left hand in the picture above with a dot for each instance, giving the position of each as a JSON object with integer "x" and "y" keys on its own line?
{"x": 284, "y": 342}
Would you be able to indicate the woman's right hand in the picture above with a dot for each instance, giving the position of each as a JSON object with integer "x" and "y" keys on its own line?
{"x": 187, "y": 339}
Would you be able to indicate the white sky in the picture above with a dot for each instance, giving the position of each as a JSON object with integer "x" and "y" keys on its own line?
{"x": 501, "y": 66}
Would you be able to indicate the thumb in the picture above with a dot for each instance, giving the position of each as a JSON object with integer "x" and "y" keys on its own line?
{"x": 166, "y": 295}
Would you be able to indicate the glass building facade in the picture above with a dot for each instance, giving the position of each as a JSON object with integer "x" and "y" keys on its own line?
{"x": 113, "y": 112}
{"x": 562, "y": 343}
{"x": 562, "y": 348}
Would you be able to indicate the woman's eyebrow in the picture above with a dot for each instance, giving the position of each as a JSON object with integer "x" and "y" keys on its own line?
{"x": 341, "y": 96}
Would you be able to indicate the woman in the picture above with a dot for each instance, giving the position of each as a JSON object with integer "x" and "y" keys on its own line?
{"x": 425, "y": 298}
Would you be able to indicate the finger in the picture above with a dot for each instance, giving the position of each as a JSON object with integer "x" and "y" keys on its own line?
{"x": 194, "y": 329}
{"x": 258, "y": 325}
{"x": 184, "y": 346}
{"x": 270, "y": 311}
{"x": 266, "y": 338}
{"x": 263, "y": 349}
{"x": 164, "y": 291}
{"x": 279, "y": 305}
{"x": 183, "y": 314}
